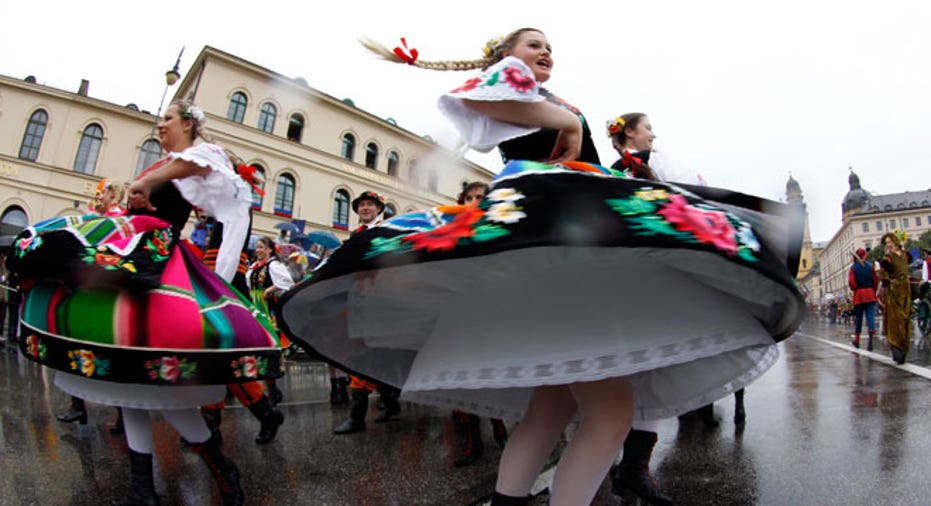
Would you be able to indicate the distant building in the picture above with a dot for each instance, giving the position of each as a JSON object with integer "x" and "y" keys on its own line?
{"x": 315, "y": 152}
{"x": 866, "y": 217}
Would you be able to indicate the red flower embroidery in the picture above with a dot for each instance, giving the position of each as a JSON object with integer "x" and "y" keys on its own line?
{"x": 102, "y": 259}
{"x": 169, "y": 370}
{"x": 469, "y": 85}
{"x": 518, "y": 81}
{"x": 710, "y": 227}
{"x": 446, "y": 237}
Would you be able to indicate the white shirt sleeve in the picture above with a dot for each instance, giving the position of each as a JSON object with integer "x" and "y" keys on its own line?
{"x": 924, "y": 271}
{"x": 223, "y": 195}
{"x": 281, "y": 278}
{"x": 668, "y": 171}
{"x": 508, "y": 80}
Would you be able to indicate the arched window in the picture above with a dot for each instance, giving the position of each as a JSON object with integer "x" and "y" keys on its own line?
{"x": 32, "y": 139}
{"x": 237, "y": 109}
{"x": 15, "y": 219}
{"x": 349, "y": 147}
{"x": 295, "y": 127}
{"x": 88, "y": 149}
{"x": 256, "y": 197}
{"x": 284, "y": 196}
{"x": 341, "y": 210}
{"x": 267, "y": 116}
{"x": 432, "y": 180}
{"x": 392, "y": 163}
{"x": 390, "y": 211}
{"x": 371, "y": 155}
{"x": 150, "y": 152}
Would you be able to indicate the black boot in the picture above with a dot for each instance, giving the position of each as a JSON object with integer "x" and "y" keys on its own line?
{"x": 339, "y": 391}
{"x": 898, "y": 355}
{"x": 500, "y": 432}
{"x": 269, "y": 417}
{"x": 869, "y": 344}
{"x": 740, "y": 414}
{"x": 633, "y": 473}
{"x": 706, "y": 415}
{"x": 213, "y": 417}
{"x": 274, "y": 393}
{"x": 77, "y": 413}
{"x": 223, "y": 470}
{"x": 498, "y": 499}
{"x": 142, "y": 491}
{"x": 472, "y": 447}
{"x": 360, "y": 407}
{"x": 118, "y": 428}
{"x": 389, "y": 398}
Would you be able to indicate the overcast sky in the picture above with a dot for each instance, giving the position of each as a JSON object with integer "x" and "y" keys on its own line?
{"x": 744, "y": 92}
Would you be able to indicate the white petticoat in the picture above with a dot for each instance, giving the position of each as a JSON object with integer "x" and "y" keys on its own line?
{"x": 133, "y": 395}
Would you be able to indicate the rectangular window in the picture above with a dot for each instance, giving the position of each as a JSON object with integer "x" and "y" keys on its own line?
{"x": 917, "y": 221}
{"x": 866, "y": 226}
{"x": 868, "y": 246}
{"x": 879, "y": 226}
{"x": 905, "y": 222}
{"x": 891, "y": 224}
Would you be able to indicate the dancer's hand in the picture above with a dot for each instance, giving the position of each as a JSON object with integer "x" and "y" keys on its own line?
{"x": 139, "y": 192}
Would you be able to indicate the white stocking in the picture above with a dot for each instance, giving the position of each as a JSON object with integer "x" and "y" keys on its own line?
{"x": 606, "y": 409}
{"x": 189, "y": 423}
{"x": 531, "y": 442}
{"x": 138, "y": 427}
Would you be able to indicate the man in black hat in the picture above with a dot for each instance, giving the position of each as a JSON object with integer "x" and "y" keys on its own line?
{"x": 369, "y": 205}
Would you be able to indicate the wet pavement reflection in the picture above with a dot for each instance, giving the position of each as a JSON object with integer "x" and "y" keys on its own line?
{"x": 827, "y": 425}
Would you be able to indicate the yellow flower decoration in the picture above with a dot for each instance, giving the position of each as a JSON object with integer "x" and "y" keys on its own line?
{"x": 492, "y": 45}
{"x": 615, "y": 126}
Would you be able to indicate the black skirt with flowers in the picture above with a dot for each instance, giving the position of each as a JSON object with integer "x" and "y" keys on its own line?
{"x": 564, "y": 273}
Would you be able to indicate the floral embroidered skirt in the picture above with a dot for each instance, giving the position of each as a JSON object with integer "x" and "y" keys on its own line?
{"x": 563, "y": 274}
{"x": 120, "y": 300}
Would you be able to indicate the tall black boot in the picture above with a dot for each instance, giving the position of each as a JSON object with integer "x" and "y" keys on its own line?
{"x": 77, "y": 413}
{"x": 500, "y": 432}
{"x": 360, "y": 407}
{"x": 498, "y": 499}
{"x": 274, "y": 393}
{"x": 142, "y": 491}
{"x": 898, "y": 354}
{"x": 740, "y": 414}
{"x": 706, "y": 415}
{"x": 213, "y": 417}
{"x": 389, "y": 397}
{"x": 633, "y": 473}
{"x": 472, "y": 447}
{"x": 118, "y": 428}
{"x": 269, "y": 417}
{"x": 339, "y": 391}
{"x": 869, "y": 344}
{"x": 224, "y": 472}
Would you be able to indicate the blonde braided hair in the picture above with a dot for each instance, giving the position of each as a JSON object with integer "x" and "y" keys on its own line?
{"x": 495, "y": 53}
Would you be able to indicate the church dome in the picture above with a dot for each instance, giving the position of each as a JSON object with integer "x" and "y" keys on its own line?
{"x": 857, "y": 197}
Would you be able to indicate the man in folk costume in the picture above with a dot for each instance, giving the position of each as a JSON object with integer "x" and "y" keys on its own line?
{"x": 863, "y": 281}
{"x": 369, "y": 205}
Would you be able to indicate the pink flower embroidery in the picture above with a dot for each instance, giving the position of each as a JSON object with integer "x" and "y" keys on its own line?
{"x": 469, "y": 85}
{"x": 710, "y": 227}
{"x": 250, "y": 367}
{"x": 518, "y": 81}
{"x": 169, "y": 370}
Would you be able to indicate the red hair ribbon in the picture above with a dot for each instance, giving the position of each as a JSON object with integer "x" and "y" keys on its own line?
{"x": 632, "y": 161}
{"x": 247, "y": 172}
{"x": 410, "y": 56}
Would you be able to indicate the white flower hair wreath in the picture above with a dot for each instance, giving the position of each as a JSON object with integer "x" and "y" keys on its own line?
{"x": 195, "y": 113}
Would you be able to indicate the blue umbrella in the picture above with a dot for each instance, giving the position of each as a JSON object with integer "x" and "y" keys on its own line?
{"x": 289, "y": 227}
{"x": 323, "y": 238}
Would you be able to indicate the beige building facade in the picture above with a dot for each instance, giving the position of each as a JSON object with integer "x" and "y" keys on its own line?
{"x": 866, "y": 217}
{"x": 316, "y": 152}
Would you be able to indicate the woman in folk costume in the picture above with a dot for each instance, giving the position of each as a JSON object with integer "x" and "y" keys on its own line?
{"x": 101, "y": 288}
{"x": 896, "y": 296}
{"x": 107, "y": 201}
{"x": 546, "y": 262}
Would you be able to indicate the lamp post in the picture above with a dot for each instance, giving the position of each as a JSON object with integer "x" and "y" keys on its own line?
{"x": 171, "y": 77}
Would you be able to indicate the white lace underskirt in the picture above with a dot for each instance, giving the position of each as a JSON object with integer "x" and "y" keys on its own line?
{"x": 479, "y": 334}
{"x": 131, "y": 395}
